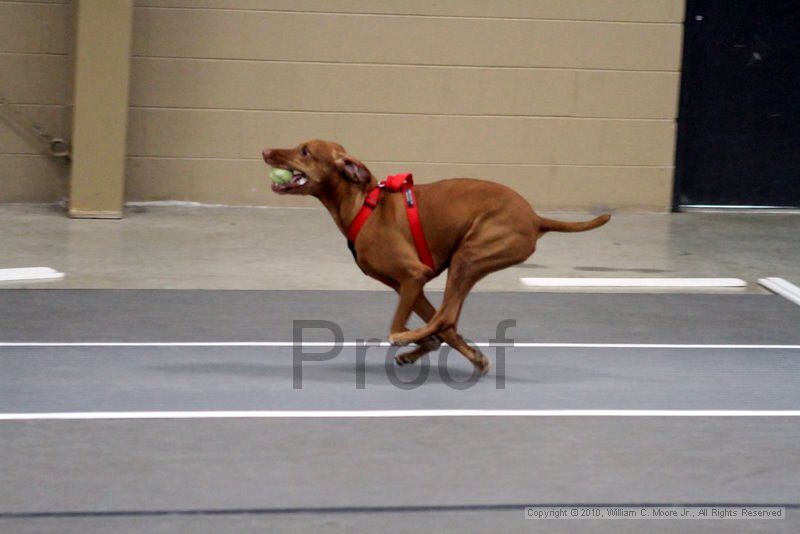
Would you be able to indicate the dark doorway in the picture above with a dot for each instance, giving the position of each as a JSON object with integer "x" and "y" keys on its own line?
{"x": 739, "y": 119}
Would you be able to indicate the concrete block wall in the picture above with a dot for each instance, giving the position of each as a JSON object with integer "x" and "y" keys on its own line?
{"x": 35, "y": 72}
{"x": 571, "y": 102}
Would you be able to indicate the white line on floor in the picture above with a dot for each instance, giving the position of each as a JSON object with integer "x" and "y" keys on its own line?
{"x": 783, "y": 288}
{"x": 634, "y": 282}
{"x": 29, "y": 273}
{"x": 359, "y": 414}
{"x": 382, "y": 344}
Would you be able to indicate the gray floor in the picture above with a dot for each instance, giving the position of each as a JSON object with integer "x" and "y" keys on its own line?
{"x": 450, "y": 474}
{"x": 460, "y": 475}
{"x": 479, "y": 521}
{"x": 175, "y": 379}
{"x": 280, "y": 248}
{"x": 489, "y": 521}
{"x": 183, "y": 315}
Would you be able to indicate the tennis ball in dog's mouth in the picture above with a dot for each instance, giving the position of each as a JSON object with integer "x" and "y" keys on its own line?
{"x": 280, "y": 176}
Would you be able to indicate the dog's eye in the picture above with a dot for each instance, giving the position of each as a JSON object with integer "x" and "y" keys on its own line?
{"x": 304, "y": 151}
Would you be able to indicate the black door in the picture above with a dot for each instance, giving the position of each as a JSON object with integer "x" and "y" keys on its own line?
{"x": 739, "y": 119}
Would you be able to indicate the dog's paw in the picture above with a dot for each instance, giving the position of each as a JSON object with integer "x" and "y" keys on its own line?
{"x": 430, "y": 343}
{"x": 410, "y": 357}
{"x": 398, "y": 340}
{"x": 481, "y": 362}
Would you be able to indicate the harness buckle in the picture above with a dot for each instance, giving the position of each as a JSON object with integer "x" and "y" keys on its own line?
{"x": 373, "y": 196}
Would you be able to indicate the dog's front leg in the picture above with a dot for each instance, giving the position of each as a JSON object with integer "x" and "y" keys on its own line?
{"x": 425, "y": 310}
{"x": 409, "y": 291}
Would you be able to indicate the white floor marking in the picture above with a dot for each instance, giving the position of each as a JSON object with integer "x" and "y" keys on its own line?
{"x": 381, "y": 344}
{"x": 783, "y": 288}
{"x": 29, "y": 273}
{"x": 360, "y": 414}
{"x": 634, "y": 282}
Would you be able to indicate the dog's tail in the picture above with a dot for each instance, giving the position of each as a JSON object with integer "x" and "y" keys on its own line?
{"x": 551, "y": 225}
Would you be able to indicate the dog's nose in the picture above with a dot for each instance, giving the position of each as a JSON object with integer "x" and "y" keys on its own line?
{"x": 266, "y": 153}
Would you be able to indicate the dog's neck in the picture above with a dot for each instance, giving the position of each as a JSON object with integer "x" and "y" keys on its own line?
{"x": 344, "y": 200}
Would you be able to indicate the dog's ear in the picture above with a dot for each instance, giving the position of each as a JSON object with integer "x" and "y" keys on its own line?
{"x": 353, "y": 170}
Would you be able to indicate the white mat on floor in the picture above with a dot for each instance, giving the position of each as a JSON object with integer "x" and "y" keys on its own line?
{"x": 782, "y": 287}
{"x": 634, "y": 282}
{"x": 29, "y": 273}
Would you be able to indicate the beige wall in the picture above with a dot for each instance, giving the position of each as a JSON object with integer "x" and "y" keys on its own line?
{"x": 35, "y": 71}
{"x": 571, "y": 102}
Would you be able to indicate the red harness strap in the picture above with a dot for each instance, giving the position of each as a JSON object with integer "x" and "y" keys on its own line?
{"x": 392, "y": 184}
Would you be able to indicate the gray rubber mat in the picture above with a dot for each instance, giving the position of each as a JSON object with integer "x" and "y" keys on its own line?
{"x": 87, "y": 379}
{"x": 238, "y": 465}
{"x": 457, "y": 474}
{"x": 188, "y": 315}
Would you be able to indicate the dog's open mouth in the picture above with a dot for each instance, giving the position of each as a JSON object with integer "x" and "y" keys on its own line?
{"x": 298, "y": 180}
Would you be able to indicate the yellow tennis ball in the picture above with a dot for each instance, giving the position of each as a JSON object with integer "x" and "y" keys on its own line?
{"x": 280, "y": 176}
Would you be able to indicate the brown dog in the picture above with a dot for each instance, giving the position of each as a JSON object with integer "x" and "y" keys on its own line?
{"x": 473, "y": 227}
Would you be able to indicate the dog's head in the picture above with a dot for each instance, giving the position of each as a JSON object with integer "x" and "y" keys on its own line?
{"x": 317, "y": 166}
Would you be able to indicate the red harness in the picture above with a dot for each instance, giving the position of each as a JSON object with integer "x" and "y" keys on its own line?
{"x": 392, "y": 184}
